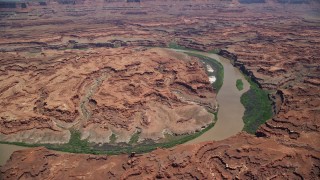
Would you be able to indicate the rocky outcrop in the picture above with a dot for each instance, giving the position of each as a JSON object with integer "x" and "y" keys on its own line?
{"x": 105, "y": 92}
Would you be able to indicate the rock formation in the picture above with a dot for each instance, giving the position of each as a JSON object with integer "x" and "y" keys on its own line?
{"x": 239, "y": 157}
{"x": 102, "y": 92}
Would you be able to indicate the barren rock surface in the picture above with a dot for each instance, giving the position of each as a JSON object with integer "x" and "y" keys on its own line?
{"x": 275, "y": 44}
{"x": 239, "y": 157}
{"x": 103, "y": 92}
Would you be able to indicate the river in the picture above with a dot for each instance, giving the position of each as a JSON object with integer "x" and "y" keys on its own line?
{"x": 230, "y": 108}
{"x": 6, "y": 150}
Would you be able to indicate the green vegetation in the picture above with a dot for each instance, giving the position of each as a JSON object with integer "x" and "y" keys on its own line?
{"x": 239, "y": 84}
{"x": 174, "y": 45}
{"x": 215, "y": 116}
{"x": 20, "y": 144}
{"x": 76, "y": 145}
{"x": 149, "y": 147}
{"x": 219, "y": 71}
{"x": 135, "y": 137}
{"x": 113, "y": 138}
{"x": 257, "y": 107}
{"x": 214, "y": 51}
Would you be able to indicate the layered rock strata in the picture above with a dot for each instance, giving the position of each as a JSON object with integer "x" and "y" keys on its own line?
{"x": 102, "y": 92}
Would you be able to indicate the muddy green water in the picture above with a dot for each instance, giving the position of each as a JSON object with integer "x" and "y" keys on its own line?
{"x": 230, "y": 109}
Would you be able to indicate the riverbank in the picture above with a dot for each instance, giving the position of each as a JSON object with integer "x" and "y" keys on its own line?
{"x": 258, "y": 107}
{"x": 76, "y": 145}
{"x": 256, "y": 101}
{"x": 219, "y": 70}
{"x": 231, "y": 110}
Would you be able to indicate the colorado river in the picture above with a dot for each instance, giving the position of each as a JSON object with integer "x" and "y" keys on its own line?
{"x": 230, "y": 108}
{"x": 6, "y": 150}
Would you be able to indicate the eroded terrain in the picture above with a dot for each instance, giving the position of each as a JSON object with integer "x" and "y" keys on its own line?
{"x": 276, "y": 44}
{"x": 242, "y": 157}
{"x": 103, "y": 92}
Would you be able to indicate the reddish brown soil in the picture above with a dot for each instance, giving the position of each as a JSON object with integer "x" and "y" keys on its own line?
{"x": 277, "y": 45}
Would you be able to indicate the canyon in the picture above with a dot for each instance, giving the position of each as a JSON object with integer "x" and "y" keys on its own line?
{"x": 102, "y": 92}
{"x": 274, "y": 43}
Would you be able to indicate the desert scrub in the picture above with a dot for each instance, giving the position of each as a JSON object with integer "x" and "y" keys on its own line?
{"x": 239, "y": 84}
